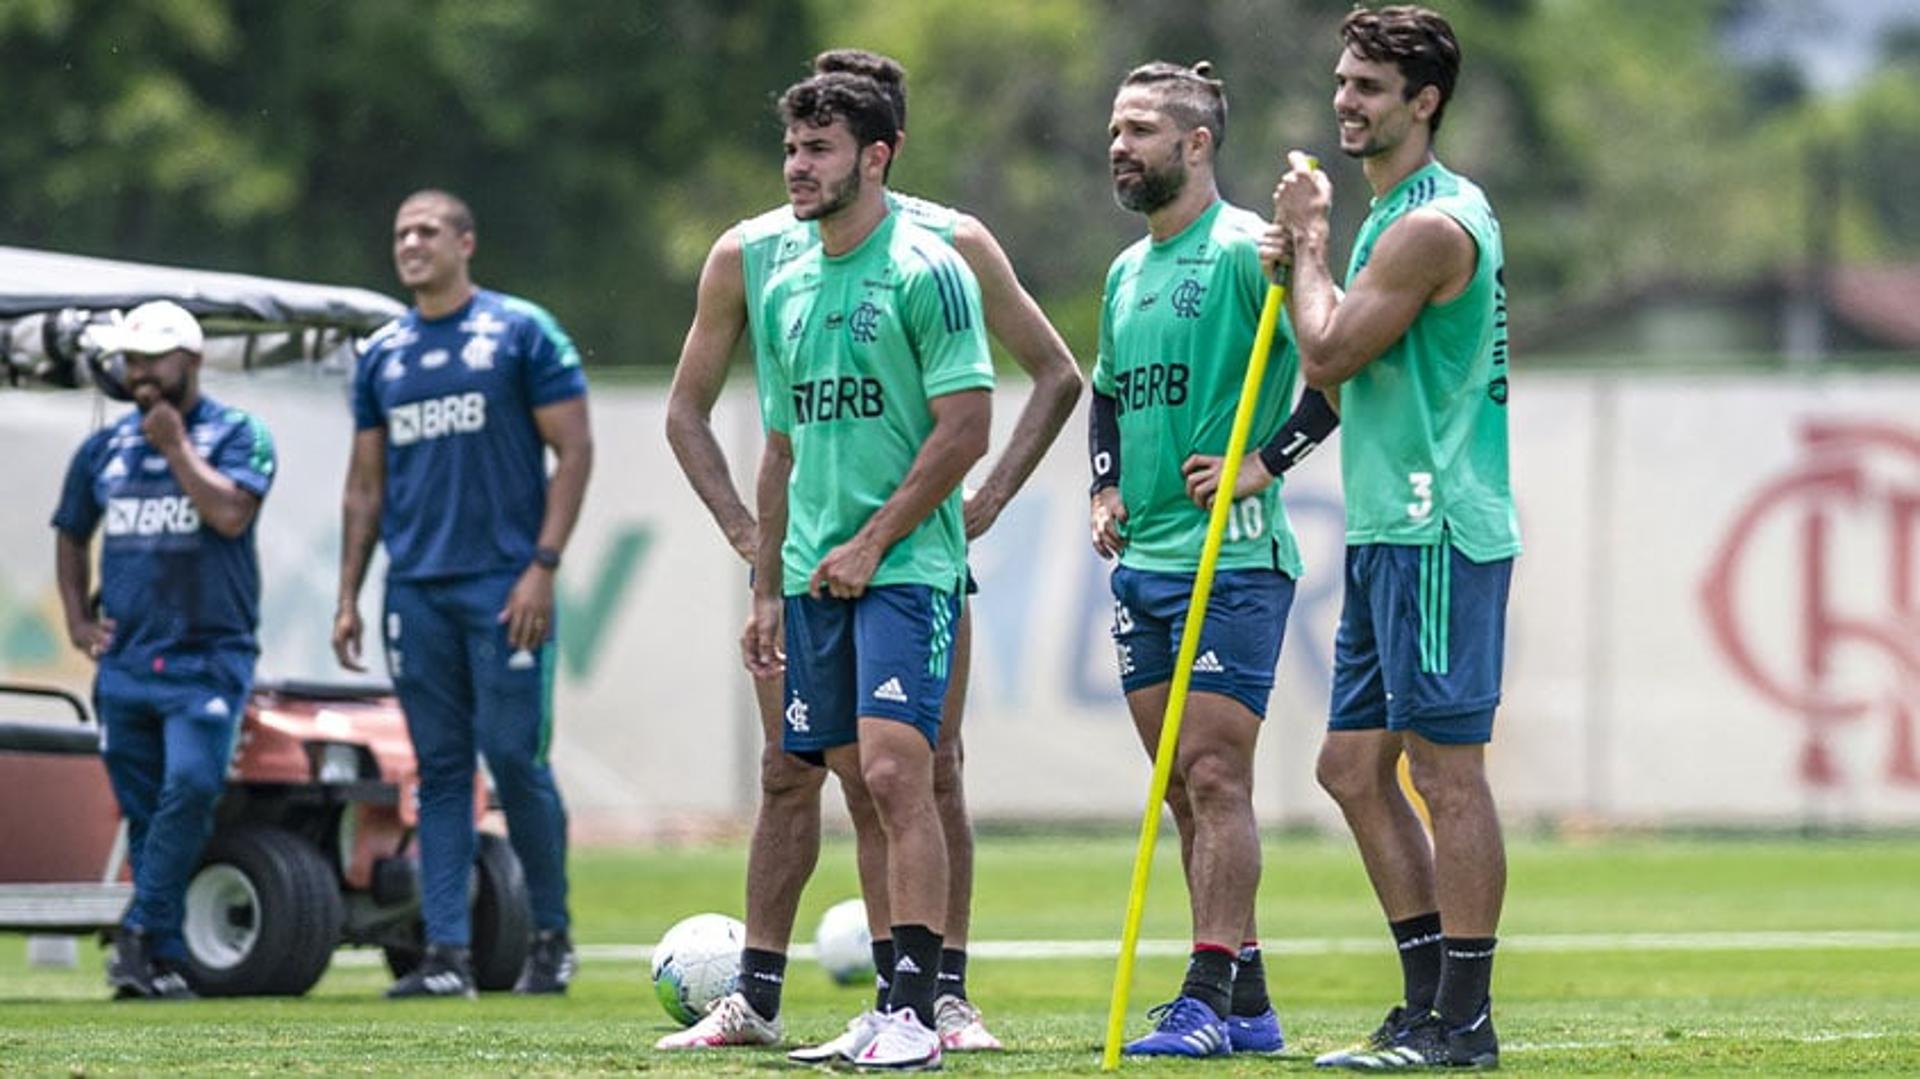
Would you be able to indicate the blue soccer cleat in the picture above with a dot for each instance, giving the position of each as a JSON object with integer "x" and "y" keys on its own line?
{"x": 1256, "y": 1033}
{"x": 1186, "y": 1028}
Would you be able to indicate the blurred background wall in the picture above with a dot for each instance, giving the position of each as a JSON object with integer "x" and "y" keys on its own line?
{"x": 1714, "y": 258}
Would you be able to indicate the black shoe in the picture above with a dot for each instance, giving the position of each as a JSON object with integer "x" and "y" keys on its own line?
{"x": 1381, "y": 1037}
{"x": 130, "y": 968}
{"x": 170, "y": 981}
{"x": 133, "y": 973}
{"x": 550, "y": 964}
{"x": 1430, "y": 1043}
{"x": 444, "y": 971}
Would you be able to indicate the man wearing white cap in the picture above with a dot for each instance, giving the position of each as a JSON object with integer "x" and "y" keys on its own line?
{"x": 177, "y": 483}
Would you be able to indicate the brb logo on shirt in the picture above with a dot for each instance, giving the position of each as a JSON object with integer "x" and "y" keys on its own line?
{"x": 838, "y": 399}
{"x": 437, "y": 417}
{"x": 1151, "y": 385}
{"x": 172, "y": 515}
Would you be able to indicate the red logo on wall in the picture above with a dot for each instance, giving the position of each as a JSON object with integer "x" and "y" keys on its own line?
{"x": 1835, "y": 537}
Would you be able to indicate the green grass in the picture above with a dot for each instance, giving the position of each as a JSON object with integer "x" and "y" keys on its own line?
{"x": 1630, "y": 1012}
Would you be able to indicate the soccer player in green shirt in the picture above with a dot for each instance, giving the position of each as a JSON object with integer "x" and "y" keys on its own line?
{"x": 876, "y": 392}
{"x": 1416, "y": 349}
{"x": 786, "y": 830}
{"x": 1179, "y": 314}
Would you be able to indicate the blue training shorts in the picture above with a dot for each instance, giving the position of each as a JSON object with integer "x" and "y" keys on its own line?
{"x": 887, "y": 654}
{"x": 1239, "y": 642}
{"x": 1422, "y": 638}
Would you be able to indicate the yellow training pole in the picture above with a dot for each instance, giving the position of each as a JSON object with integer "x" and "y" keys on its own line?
{"x": 1183, "y": 668}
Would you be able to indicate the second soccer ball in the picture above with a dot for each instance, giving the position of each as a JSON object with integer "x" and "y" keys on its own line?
{"x": 843, "y": 943}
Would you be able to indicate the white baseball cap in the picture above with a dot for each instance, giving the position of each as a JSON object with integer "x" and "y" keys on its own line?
{"x": 152, "y": 329}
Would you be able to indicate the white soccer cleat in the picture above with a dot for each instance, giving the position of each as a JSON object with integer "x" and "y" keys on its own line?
{"x": 731, "y": 1022}
{"x": 961, "y": 1029}
{"x": 860, "y": 1030}
{"x": 901, "y": 1044}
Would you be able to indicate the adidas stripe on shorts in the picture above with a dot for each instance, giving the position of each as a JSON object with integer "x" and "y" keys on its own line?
{"x": 1239, "y": 642}
{"x": 1422, "y": 639}
{"x": 887, "y": 654}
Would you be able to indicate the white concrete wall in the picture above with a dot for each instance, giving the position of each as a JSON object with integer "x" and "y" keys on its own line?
{"x": 1623, "y": 704}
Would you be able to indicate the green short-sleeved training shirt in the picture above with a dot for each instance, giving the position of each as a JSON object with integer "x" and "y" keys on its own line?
{"x": 772, "y": 239}
{"x": 856, "y": 347}
{"x": 1177, "y": 323}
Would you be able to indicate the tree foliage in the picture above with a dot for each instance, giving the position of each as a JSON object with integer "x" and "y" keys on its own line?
{"x": 604, "y": 143}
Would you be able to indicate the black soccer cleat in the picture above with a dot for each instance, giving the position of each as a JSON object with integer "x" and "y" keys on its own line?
{"x": 1429, "y": 1043}
{"x": 1381, "y": 1037}
{"x": 550, "y": 964}
{"x": 445, "y": 971}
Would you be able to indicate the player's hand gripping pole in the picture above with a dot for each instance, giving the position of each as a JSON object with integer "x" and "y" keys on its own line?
{"x": 1183, "y": 666}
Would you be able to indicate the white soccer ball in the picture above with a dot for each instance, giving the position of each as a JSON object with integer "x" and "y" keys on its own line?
{"x": 696, "y": 964}
{"x": 843, "y": 944}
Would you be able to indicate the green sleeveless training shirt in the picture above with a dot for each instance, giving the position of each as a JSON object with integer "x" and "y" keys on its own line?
{"x": 775, "y": 238}
{"x": 857, "y": 346}
{"x": 1177, "y": 322}
{"x": 1423, "y": 444}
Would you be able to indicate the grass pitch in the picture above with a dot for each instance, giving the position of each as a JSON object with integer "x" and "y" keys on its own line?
{"x": 1621, "y": 957}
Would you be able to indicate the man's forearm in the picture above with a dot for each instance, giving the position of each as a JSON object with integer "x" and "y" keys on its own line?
{"x": 690, "y": 433}
{"x": 359, "y": 531}
{"x": 1312, "y": 298}
{"x": 73, "y": 570}
{"x": 224, "y": 505}
{"x": 770, "y": 496}
{"x": 566, "y": 492}
{"x": 1055, "y": 391}
{"x": 1103, "y": 442}
{"x": 951, "y": 448}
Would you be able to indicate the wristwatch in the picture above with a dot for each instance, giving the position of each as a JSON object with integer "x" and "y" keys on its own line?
{"x": 546, "y": 557}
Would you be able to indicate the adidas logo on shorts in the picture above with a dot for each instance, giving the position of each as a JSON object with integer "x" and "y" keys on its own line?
{"x": 890, "y": 690}
{"x": 1208, "y": 663}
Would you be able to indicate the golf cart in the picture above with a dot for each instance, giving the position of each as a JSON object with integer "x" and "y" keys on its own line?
{"x": 314, "y": 843}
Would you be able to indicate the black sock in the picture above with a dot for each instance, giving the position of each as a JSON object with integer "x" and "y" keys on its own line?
{"x": 953, "y": 973}
{"x": 1418, "y": 938}
{"x": 761, "y": 975}
{"x": 1250, "y": 982}
{"x": 916, "y": 971}
{"x": 1210, "y": 979}
{"x": 1465, "y": 978}
{"x": 882, "y": 973}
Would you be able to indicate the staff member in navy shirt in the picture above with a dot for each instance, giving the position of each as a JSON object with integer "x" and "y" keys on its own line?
{"x": 456, "y": 404}
{"x": 178, "y": 482}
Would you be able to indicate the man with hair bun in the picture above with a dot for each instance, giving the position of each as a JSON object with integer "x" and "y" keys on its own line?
{"x": 1179, "y": 314}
